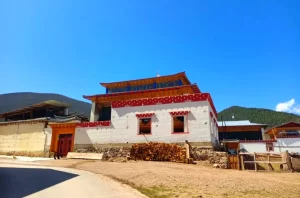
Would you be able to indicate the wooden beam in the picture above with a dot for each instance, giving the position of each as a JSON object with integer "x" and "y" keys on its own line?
{"x": 131, "y": 96}
{"x": 242, "y": 162}
{"x": 229, "y": 129}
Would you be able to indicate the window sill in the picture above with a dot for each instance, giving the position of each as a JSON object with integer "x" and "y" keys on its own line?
{"x": 180, "y": 133}
{"x": 145, "y": 134}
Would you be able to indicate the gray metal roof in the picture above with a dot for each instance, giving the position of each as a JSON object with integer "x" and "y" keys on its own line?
{"x": 239, "y": 123}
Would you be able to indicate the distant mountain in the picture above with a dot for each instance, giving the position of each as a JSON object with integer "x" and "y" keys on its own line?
{"x": 257, "y": 115}
{"x": 13, "y": 101}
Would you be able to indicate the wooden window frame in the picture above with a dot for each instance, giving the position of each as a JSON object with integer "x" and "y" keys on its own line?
{"x": 138, "y": 125}
{"x": 185, "y": 124}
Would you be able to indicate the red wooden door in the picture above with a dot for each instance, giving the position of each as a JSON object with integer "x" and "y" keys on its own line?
{"x": 64, "y": 144}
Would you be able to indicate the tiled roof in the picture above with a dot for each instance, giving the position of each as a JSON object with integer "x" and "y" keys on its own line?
{"x": 181, "y": 74}
{"x": 239, "y": 123}
{"x": 53, "y": 103}
{"x": 59, "y": 119}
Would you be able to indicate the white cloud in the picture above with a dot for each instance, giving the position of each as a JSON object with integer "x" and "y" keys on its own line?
{"x": 289, "y": 106}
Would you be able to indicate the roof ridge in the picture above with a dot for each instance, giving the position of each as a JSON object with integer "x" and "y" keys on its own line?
{"x": 142, "y": 79}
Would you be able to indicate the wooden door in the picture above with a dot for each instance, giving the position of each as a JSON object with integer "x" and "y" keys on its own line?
{"x": 233, "y": 162}
{"x": 64, "y": 144}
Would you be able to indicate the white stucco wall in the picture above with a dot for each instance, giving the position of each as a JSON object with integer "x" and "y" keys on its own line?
{"x": 290, "y": 144}
{"x": 251, "y": 147}
{"x": 124, "y": 125}
{"x": 22, "y": 137}
{"x": 48, "y": 132}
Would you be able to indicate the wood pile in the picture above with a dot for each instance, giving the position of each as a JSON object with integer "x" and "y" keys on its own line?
{"x": 155, "y": 151}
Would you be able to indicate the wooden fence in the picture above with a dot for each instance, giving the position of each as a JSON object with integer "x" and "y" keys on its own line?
{"x": 267, "y": 161}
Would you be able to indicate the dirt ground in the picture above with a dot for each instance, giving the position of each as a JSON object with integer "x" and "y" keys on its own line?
{"x": 162, "y": 179}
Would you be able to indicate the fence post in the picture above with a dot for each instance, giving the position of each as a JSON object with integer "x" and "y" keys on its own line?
{"x": 255, "y": 165}
{"x": 187, "y": 150}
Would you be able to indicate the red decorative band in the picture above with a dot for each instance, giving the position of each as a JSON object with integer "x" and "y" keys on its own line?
{"x": 166, "y": 100}
{"x": 211, "y": 114}
{"x": 175, "y": 113}
{"x": 94, "y": 124}
{"x": 144, "y": 115}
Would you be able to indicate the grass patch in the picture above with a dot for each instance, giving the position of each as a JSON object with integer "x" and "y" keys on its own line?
{"x": 156, "y": 192}
{"x": 261, "y": 193}
{"x": 79, "y": 163}
{"x": 152, "y": 192}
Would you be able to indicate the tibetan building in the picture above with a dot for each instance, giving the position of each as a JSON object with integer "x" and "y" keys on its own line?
{"x": 290, "y": 129}
{"x": 26, "y": 131}
{"x": 164, "y": 109}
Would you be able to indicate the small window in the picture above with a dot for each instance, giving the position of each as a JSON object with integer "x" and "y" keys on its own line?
{"x": 105, "y": 114}
{"x": 269, "y": 146}
{"x": 178, "y": 124}
{"x": 145, "y": 126}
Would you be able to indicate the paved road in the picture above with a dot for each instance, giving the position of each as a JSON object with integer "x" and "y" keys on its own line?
{"x": 19, "y": 180}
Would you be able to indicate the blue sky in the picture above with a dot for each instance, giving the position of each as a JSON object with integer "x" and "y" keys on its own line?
{"x": 244, "y": 53}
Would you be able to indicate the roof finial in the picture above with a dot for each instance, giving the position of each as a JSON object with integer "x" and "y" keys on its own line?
{"x": 157, "y": 74}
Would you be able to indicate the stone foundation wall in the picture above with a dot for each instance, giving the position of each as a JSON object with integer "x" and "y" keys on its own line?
{"x": 109, "y": 153}
{"x": 217, "y": 159}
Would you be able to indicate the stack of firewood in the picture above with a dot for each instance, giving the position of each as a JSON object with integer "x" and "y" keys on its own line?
{"x": 155, "y": 151}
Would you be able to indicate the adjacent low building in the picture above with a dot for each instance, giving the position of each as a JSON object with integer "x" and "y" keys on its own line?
{"x": 281, "y": 138}
{"x": 241, "y": 130}
{"x": 26, "y": 131}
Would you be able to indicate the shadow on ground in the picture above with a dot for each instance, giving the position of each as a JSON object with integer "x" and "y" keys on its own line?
{"x": 21, "y": 182}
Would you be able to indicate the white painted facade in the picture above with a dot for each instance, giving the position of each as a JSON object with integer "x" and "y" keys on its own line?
{"x": 251, "y": 147}
{"x": 290, "y": 144}
{"x": 199, "y": 126}
{"x": 48, "y": 132}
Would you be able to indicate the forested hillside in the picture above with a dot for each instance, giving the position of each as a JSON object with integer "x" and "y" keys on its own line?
{"x": 257, "y": 115}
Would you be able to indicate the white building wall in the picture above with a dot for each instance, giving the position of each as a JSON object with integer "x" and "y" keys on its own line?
{"x": 251, "y": 147}
{"x": 292, "y": 145}
{"x": 124, "y": 125}
{"x": 48, "y": 132}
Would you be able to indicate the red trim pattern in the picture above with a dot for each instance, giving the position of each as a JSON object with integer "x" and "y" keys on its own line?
{"x": 256, "y": 141}
{"x": 144, "y": 115}
{"x": 211, "y": 114}
{"x": 166, "y": 100}
{"x": 177, "y": 113}
{"x": 94, "y": 124}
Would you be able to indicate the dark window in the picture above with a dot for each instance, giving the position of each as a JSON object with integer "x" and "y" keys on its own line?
{"x": 145, "y": 126}
{"x": 178, "y": 124}
{"x": 105, "y": 114}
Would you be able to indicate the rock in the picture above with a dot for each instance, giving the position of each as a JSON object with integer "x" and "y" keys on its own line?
{"x": 216, "y": 165}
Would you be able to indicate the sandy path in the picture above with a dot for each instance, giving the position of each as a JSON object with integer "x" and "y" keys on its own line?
{"x": 183, "y": 180}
